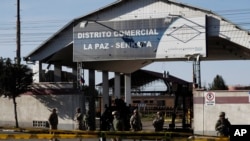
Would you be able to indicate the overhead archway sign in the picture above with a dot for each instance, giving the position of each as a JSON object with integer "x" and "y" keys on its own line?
{"x": 139, "y": 39}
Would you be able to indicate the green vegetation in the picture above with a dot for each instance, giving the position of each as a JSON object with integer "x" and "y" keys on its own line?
{"x": 15, "y": 79}
{"x": 218, "y": 83}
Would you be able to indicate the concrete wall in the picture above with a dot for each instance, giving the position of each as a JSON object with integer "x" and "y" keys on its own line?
{"x": 38, "y": 108}
{"x": 234, "y": 103}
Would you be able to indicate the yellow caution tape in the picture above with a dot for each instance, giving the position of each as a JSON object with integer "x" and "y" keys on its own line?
{"x": 29, "y": 133}
{"x": 207, "y": 138}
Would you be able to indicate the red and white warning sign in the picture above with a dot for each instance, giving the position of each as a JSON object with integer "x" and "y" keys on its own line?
{"x": 209, "y": 98}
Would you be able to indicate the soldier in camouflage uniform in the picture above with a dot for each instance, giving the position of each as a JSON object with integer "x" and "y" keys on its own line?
{"x": 79, "y": 119}
{"x": 222, "y": 125}
{"x": 53, "y": 122}
{"x": 87, "y": 120}
{"x": 118, "y": 124}
{"x": 135, "y": 121}
{"x": 158, "y": 122}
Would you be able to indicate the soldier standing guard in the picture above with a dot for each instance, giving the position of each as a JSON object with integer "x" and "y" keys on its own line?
{"x": 79, "y": 119}
{"x": 222, "y": 125}
{"x": 53, "y": 121}
{"x": 118, "y": 124}
{"x": 158, "y": 122}
{"x": 135, "y": 121}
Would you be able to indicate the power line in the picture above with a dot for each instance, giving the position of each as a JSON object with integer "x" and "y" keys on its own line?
{"x": 36, "y": 31}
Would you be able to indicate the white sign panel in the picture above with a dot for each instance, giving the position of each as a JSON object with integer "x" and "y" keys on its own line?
{"x": 184, "y": 37}
{"x": 209, "y": 98}
{"x": 157, "y": 38}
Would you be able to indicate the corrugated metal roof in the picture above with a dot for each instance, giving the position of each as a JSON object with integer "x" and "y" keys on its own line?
{"x": 114, "y": 4}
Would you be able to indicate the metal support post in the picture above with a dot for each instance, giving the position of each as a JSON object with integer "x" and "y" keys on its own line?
{"x": 198, "y": 68}
{"x": 80, "y": 75}
{"x": 196, "y": 72}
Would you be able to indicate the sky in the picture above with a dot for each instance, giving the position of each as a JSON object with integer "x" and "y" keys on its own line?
{"x": 42, "y": 18}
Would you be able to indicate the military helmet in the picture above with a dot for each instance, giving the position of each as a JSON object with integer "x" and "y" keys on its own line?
{"x": 114, "y": 113}
{"x": 135, "y": 111}
{"x": 222, "y": 114}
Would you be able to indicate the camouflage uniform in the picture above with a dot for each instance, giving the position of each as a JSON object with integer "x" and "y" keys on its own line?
{"x": 53, "y": 119}
{"x": 118, "y": 124}
{"x": 79, "y": 119}
{"x": 222, "y": 125}
{"x": 53, "y": 122}
{"x": 158, "y": 122}
{"x": 87, "y": 120}
{"x": 135, "y": 121}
